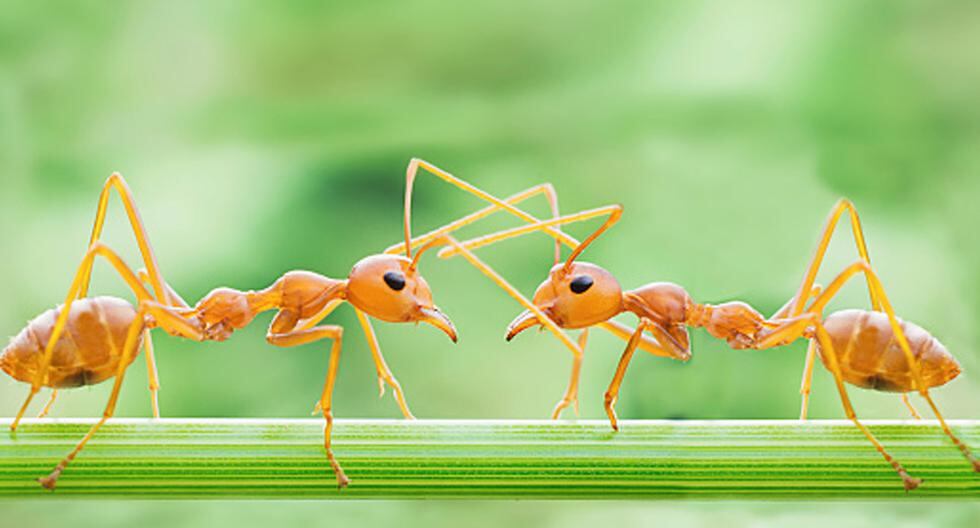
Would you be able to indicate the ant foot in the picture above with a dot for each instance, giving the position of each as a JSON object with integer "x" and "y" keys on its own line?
{"x": 909, "y": 482}
{"x": 50, "y": 481}
{"x": 562, "y": 405}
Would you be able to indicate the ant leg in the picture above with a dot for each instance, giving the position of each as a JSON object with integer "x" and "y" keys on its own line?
{"x": 646, "y": 343}
{"x": 828, "y": 351}
{"x": 913, "y": 363}
{"x": 863, "y": 267}
{"x": 410, "y": 174}
{"x": 47, "y": 407}
{"x": 384, "y": 373}
{"x": 151, "y": 373}
{"x": 97, "y": 249}
{"x": 571, "y": 393}
{"x": 527, "y": 304}
{"x": 172, "y": 298}
{"x": 842, "y": 206}
{"x": 116, "y": 181}
{"x": 129, "y": 350}
{"x": 783, "y": 312}
{"x": 910, "y": 407}
{"x": 547, "y": 189}
{"x": 612, "y": 393}
{"x": 301, "y": 337}
{"x": 612, "y": 211}
{"x": 959, "y": 444}
{"x": 811, "y": 352}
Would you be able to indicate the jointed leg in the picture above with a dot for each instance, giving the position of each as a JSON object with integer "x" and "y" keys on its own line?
{"x": 828, "y": 350}
{"x": 411, "y": 173}
{"x": 173, "y": 298}
{"x": 783, "y": 312}
{"x": 117, "y": 182}
{"x": 956, "y": 441}
{"x": 300, "y": 337}
{"x": 151, "y": 374}
{"x": 97, "y": 249}
{"x": 613, "y": 211}
{"x": 835, "y": 286}
{"x": 612, "y": 393}
{"x": 910, "y": 407}
{"x": 811, "y": 352}
{"x": 547, "y": 189}
{"x": 129, "y": 350}
{"x": 47, "y": 407}
{"x": 571, "y": 392}
{"x": 384, "y": 373}
{"x": 842, "y": 206}
{"x": 646, "y": 343}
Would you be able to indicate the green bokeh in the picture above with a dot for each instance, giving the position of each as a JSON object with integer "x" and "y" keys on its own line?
{"x": 267, "y": 137}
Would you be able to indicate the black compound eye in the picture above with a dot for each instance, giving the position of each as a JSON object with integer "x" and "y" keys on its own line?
{"x": 395, "y": 280}
{"x": 581, "y": 283}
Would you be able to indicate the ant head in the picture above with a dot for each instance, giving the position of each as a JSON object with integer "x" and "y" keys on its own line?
{"x": 575, "y": 295}
{"x": 390, "y": 288}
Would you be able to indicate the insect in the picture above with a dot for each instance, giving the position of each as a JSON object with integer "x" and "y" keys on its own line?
{"x": 867, "y": 348}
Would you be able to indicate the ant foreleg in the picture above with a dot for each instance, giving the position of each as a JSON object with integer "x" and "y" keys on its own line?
{"x": 384, "y": 373}
{"x": 546, "y": 188}
{"x": 410, "y": 174}
{"x": 571, "y": 392}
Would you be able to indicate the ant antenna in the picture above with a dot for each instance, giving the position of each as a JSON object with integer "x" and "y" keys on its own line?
{"x": 615, "y": 212}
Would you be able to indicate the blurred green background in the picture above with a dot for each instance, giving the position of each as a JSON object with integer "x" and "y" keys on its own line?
{"x": 260, "y": 138}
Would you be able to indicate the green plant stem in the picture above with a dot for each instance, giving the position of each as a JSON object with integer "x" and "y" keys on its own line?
{"x": 488, "y": 459}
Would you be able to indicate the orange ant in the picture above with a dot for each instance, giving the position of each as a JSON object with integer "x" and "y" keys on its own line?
{"x": 67, "y": 346}
{"x": 880, "y": 351}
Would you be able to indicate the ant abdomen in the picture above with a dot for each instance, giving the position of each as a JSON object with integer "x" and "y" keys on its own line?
{"x": 870, "y": 356}
{"x": 87, "y": 353}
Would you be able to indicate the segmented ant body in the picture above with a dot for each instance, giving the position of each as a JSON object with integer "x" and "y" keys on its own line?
{"x": 867, "y": 348}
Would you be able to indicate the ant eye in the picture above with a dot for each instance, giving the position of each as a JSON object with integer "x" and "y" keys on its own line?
{"x": 581, "y": 283}
{"x": 395, "y": 280}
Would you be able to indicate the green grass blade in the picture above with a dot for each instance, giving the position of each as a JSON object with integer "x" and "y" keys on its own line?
{"x": 210, "y": 458}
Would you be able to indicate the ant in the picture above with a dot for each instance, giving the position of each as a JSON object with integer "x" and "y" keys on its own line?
{"x": 878, "y": 350}
{"x": 66, "y": 347}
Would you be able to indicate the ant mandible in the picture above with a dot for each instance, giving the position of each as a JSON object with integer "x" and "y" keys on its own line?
{"x": 882, "y": 352}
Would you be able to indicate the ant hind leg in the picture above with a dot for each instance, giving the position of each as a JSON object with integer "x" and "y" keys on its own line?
{"x": 909, "y": 482}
